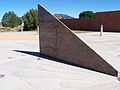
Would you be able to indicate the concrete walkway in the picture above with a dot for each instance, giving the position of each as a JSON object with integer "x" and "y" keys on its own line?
{"x": 22, "y": 71}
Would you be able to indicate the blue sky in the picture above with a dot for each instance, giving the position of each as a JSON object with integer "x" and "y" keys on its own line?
{"x": 70, "y": 7}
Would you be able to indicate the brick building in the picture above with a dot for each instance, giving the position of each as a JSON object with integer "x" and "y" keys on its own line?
{"x": 110, "y": 20}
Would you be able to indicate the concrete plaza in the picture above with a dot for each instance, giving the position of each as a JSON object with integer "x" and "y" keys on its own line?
{"x": 107, "y": 46}
{"x": 22, "y": 70}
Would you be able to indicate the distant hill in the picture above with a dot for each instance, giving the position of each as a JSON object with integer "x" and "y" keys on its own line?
{"x": 63, "y": 16}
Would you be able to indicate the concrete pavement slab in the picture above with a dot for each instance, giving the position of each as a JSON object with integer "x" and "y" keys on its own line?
{"x": 23, "y": 71}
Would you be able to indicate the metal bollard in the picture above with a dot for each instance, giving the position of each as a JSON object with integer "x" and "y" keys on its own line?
{"x": 37, "y": 29}
{"x": 101, "y": 30}
{"x": 22, "y": 25}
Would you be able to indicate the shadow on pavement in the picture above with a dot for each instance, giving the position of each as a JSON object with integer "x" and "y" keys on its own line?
{"x": 40, "y": 55}
{"x": 37, "y": 54}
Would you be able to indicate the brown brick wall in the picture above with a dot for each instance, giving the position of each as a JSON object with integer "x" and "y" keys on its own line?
{"x": 110, "y": 20}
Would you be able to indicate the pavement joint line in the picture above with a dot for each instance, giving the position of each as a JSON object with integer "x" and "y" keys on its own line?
{"x": 24, "y": 82}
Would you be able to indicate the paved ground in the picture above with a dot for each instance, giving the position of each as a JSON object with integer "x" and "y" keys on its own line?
{"x": 18, "y": 36}
{"x": 107, "y": 46}
{"x": 22, "y": 70}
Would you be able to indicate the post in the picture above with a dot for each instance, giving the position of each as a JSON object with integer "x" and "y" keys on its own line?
{"x": 37, "y": 29}
{"x": 22, "y": 25}
{"x": 101, "y": 30}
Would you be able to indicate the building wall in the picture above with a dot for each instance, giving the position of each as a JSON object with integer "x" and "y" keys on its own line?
{"x": 110, "y": 20}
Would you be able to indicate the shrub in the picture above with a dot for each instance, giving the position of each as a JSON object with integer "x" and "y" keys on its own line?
{"x": 10, "y": 19}
{"x": 30, "y": 19}
{"x": 87, "y": 14}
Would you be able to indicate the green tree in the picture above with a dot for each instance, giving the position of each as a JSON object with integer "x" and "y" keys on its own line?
{"x": 30, "y": 19}
{"x": 10, "y": 19}
{"x": 87, "y": 14}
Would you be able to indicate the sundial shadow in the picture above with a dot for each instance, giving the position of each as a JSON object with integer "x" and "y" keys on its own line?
{"x": 47, "y": 57}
